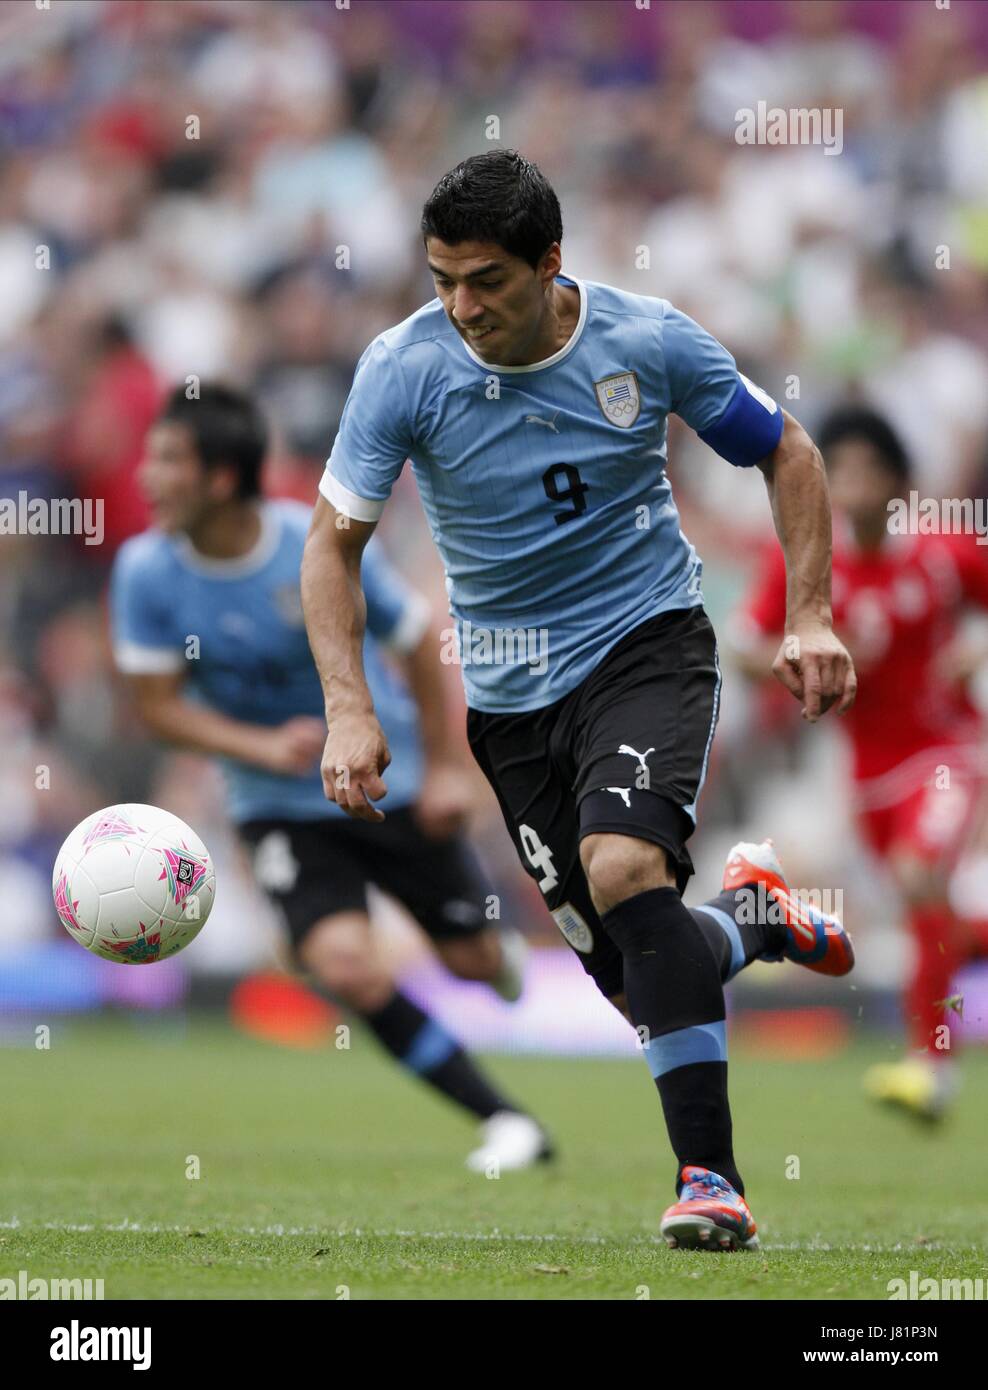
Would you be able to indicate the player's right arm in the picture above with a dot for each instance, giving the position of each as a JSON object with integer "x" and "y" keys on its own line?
{"x": 370, "y": 449}
{"x": 292, "y": 747}
{"x": 356, "y": 750}
{"x": 149, "y": 652}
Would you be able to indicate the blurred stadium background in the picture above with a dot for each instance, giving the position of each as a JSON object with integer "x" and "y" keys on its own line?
{"x": 322, "y": 128}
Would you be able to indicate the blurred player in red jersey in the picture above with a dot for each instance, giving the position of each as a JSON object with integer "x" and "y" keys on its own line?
{"x": 918, "y": 746}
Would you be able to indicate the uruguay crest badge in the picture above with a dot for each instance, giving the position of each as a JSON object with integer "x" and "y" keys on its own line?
{"x": 619, "y": 399}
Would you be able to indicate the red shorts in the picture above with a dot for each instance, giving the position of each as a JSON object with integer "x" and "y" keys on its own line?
{"x": 926, "y": 806}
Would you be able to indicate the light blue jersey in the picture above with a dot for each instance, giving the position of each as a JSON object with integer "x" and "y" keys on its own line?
{"x": 235, "y": 629}
{"x": 545, "y": 486}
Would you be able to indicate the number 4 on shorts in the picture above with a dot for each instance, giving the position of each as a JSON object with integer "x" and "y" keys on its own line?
{"x": 539, "y": 856}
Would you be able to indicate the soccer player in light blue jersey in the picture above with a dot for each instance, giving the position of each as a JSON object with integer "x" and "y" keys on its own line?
{"x": 533, "y": 409}
{"x": 208, "y": 628}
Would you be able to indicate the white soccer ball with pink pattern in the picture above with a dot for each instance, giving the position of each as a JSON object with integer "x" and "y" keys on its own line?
{"x": 133, "y": 883}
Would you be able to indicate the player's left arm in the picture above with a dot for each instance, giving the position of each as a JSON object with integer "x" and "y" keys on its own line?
{"x": 812, "y": 662}
{"x": 744, "y": 425}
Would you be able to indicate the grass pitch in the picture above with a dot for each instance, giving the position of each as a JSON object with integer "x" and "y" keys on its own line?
{"x": 329, "y": 1174}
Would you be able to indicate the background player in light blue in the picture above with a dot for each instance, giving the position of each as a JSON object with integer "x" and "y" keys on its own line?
{"x": 208, "y": 627}
{"x": 534, "y": 410}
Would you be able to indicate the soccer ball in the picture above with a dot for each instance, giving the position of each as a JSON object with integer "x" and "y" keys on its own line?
{"x": 133, "y": 883}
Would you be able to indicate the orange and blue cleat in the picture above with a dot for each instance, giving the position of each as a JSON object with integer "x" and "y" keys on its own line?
{"x": 709, "y": 1215}
{"x": 818, "y": 940}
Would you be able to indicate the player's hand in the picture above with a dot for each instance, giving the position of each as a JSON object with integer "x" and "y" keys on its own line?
{"x": 816, "y": 667}
{"x": 446, "y": 798}
{"x": 293, "y": 747}
{"x": 355, "y": 756}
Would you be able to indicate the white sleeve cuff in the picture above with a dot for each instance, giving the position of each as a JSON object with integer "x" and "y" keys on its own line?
{"x": 347, "y": 503}
{"x": 134, "y": 660}
{"x": 411, "y": 627}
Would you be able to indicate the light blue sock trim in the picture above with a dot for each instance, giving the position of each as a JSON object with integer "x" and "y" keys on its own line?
{"x": 431, "y": 1046}
{"x": 732, "y": 934}
{"x": 704, "y": 1042}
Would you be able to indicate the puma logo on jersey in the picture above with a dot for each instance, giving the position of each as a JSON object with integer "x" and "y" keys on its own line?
{"x": 621, "y": 791}
{"x": 539, "y": 420}
{"x": 633, "y": 753}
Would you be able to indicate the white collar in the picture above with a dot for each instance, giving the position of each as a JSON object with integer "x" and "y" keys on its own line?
{"x": 564, "y": 351}
{"x": 255, "y": 559}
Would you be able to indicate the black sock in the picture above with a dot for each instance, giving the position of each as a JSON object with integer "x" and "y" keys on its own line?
{"x": 425, "y": 1047}
{"x": 674, "y": 992}
{"x": 739, "y": 926}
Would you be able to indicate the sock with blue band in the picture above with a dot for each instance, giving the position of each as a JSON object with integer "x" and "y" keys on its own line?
{"x": 426, "y": 1048}
{"x": 672, "y": 983}
{"x": 734, "y": 940}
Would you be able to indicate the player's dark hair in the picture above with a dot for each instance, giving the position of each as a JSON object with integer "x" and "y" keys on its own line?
{"x": 499, "y": 197}
{"x": 227, "y": 427}
{"x": 860, "y": 422}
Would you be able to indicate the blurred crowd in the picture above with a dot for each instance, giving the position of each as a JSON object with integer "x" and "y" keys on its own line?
{"x": 231, "y": 188}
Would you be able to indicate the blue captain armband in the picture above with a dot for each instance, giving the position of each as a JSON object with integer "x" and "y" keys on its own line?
{"x": 749, "y": 429}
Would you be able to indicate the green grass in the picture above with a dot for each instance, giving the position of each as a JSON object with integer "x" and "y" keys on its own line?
{"x": 328, "y": 1169}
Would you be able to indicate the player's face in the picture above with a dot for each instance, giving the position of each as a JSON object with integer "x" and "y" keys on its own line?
{"x": 172, "y": 478}
{"x": 861, "y": 486}
{"x": 495, "y": 301}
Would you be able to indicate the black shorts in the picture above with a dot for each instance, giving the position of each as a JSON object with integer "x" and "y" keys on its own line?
{"x": 625, "y": 752}
{"x": 315, "y": 868}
